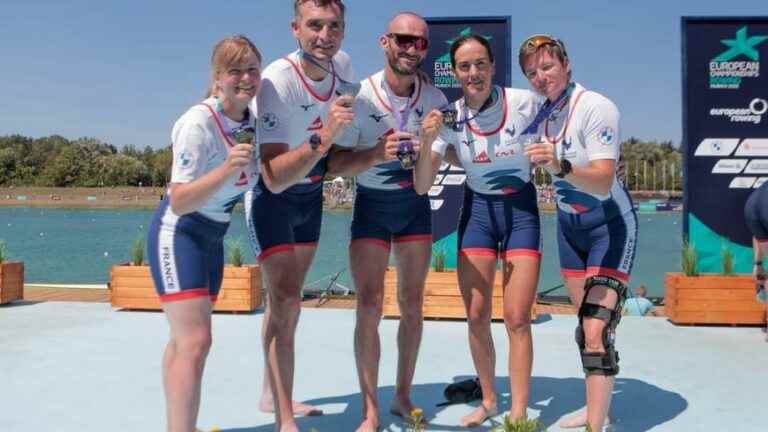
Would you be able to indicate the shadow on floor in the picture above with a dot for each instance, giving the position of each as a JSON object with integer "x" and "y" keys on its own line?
{"x": 637, "y": 406}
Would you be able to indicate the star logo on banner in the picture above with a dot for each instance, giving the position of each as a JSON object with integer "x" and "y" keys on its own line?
{"x": 742, "y": 45}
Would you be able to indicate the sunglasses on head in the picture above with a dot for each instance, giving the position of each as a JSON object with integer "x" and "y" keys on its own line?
{"x": 405, "y": 41}
{"x": 533, "y": 43}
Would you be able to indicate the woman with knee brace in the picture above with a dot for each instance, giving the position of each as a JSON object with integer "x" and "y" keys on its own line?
{"x": 576, "y": 139}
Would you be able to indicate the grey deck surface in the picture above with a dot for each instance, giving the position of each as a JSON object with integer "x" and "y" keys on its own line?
{"x": 86, "y": 367}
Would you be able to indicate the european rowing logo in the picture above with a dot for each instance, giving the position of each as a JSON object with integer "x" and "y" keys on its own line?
{"x": 443, "y": 74}
{"x": 741, "y": 60}
{"x": 750, "y": 114}
{"x": 307, "y": 107}
{"x": 419, "y": 111}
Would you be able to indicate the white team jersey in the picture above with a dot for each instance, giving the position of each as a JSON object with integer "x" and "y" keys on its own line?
{"x": 199, "y": 146}
{"x": 374, "y": 120}
{"x": 292, "y": 106}
{"x": 586, "y": 129}
{"x": 490, "y": 146}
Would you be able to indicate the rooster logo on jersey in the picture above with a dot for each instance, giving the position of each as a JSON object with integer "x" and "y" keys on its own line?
{"x": 579, "y": 201}
{"x": 504, "y": 180}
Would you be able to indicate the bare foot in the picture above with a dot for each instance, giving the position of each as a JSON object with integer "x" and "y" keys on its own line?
{"x": 403, "y": 408}
{"x": 513, "y": 418}
{"x": 368, "y": 425}
{"x": 289, "y": 428}
{"x": 579, "y": 420}
{"x": 478, "y": 416}
{"x": 299, "y": 408}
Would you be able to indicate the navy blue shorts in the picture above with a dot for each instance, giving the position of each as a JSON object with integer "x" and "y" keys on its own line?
{"x": 383, "y": 216}
{"x": 279, "y": 222}
{"x": 590, "y": 245}
{"x": 500, "y": 225}
{"x": 756, "y": 213}
{"x": 186, "y": 254}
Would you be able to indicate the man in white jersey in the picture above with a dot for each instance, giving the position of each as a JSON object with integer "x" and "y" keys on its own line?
{"x": 301, "y": 112}
{"x": 395, "y": 107}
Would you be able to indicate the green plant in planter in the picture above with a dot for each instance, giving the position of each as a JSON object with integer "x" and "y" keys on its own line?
{"x": 690, "y": 259}
{"x": 3, "y": 256}
{"x": 137, "y": 252}
{"x": 726, "y": 257}
{"x": 235, "y": 249}
{"x": 438, "y": 258}
{"x": 519, "y": 425}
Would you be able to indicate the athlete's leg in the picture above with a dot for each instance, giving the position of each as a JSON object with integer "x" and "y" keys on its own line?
{"x": 412, "y": 256}
{"x": 611, "y": 253}
{"x": 184, "y": 359}
{"x": 573, "y": 262}
{"x": 255, "y": 202}
{"x": 521, "y": 260}
{"x": 478, "y": 241}
{"x": 599, "y": 387}
{"x": 476, "y": 273}
{"x": 521, "y": 276}
{"x": 368, "y": 260}
{"x": 267, "y": 400}
{"x": 279, "y": 270}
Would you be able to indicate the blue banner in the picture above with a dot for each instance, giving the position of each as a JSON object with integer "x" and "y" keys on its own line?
{"x": 447, "y": 192}
{"x": 725, "y": 132}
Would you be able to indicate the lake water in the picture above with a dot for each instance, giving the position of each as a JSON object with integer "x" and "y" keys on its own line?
{"x": 79, "y": 246}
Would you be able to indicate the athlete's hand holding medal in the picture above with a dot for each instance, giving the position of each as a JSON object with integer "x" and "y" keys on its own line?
{"x": 246, "y": 135}
{"x": 541, "y": 153}
{"x": 402, "y": 146}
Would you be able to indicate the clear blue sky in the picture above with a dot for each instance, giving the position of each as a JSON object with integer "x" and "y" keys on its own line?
{"x": 123, "y": 71}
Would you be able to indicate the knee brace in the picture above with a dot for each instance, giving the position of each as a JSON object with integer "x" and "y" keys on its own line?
{"x": 606, "y": 363}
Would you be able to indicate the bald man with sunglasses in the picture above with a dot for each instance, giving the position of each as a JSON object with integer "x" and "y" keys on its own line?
{"x": 395, "y": 113}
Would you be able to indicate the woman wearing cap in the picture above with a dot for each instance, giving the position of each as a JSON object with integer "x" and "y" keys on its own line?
{"x": 499, "y": 217}
{"x": 578, "y": 144}
{"x": 212, "y": 168}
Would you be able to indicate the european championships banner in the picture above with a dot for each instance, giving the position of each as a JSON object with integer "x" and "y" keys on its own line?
{"x": 725, "y": 132}
{"x": 447, "y": 194}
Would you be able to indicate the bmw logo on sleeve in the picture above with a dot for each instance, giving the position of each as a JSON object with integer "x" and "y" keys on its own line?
{"x": 606, "y": 135}
{"x": 269, "y": 121}
{"x": 184, "y": 159}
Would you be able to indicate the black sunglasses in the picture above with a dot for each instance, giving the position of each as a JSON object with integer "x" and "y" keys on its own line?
{"x": 405, "y": 41}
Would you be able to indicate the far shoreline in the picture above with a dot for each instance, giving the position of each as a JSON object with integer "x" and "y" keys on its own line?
{"x": 128, "y": 197}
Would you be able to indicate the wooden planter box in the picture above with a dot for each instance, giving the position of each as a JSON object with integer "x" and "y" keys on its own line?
{"x": 132, "y": 288}
{"x": 11, "y": 281}
{"x": 442, "y": 298}
{"x": 712, "y": 299}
